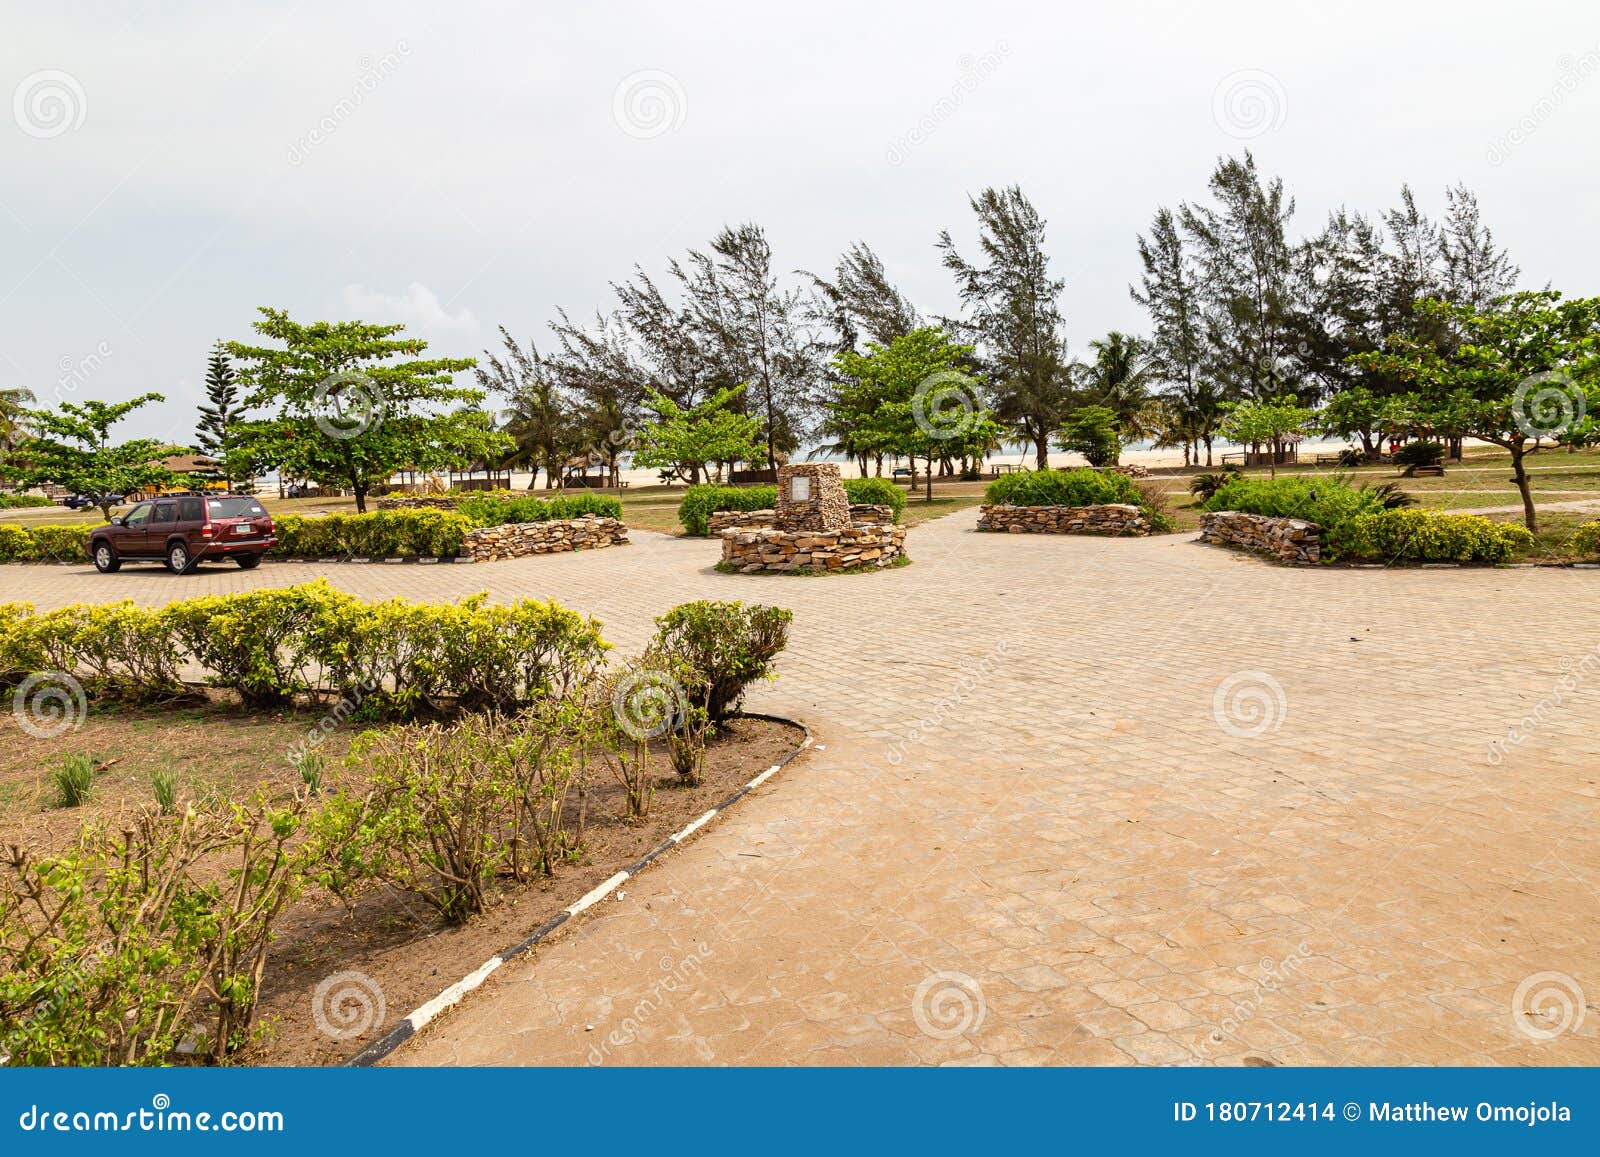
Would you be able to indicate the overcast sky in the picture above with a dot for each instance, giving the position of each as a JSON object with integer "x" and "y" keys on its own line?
{"x": 464, "y": 165}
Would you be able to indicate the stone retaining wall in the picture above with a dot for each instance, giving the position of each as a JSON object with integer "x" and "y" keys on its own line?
{"x": 1111, "y": 518}
{"x": 1285, "y": 539}
{"x": 751, "y": 550}
{"x": 516, "y": 539}
{"x": 418, "y": 502}
{"x": 863, "y": 513}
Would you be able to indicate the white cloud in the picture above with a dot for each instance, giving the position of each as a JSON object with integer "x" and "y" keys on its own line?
{"x": 419, "y": 308}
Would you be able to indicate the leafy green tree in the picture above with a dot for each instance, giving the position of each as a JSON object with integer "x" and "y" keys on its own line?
{"x": 1013, "y": 312}
{"x": 351, "y": 409}
{"x": 1526, "y": 367}
{"x": 14, "y": 403}
{"x": 72, "y": 447}
{"x": 1268, "y": 422}
{"x": 687, "y": 440}
{"x": 1095, "y": 432}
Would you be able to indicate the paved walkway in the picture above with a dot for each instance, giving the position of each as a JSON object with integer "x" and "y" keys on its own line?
{"x": 1083, "y": 801}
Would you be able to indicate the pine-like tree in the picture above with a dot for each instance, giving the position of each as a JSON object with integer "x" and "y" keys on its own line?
{"x": 222, "y": 409}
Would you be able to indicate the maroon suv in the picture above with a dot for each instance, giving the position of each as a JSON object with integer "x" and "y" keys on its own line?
{"x": 184, "y": 529}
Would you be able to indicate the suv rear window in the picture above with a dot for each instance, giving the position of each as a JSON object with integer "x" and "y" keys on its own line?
{"x": 235, "y": 508}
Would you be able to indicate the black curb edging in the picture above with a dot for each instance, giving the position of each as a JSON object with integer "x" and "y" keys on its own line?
{"x": 419, "y": 1018}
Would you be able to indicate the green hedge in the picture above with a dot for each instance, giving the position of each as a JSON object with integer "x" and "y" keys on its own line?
{"x": 19, "y": 501}
{"x": 1585, "y": 541}
{"x": 492, "y": 510}
{"x": 701, "y": 502}
{"x": 379, "y": 534}
{"x": 54, "y": 543}
{"x": 1426, "y": 536}
{"x": 1329, "y": 502}
{"x": 1063, "y": 488}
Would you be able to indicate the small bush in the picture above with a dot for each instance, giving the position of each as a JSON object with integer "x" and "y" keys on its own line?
{"x": 258, "y": 643}
{"x": 1063, "y": 488}
{"x": 1584, "y": 543}
{"x": 1389, "y": 496}
{"x": 876, "y": 492}
{"x": 1329, "y": 502}
{"x": 1203, "y": 486}
{"x": 73, "y": 780}
{"x": 701, "y": 502}
{"x": 720, "y": 648}
{"x": 1426, "y": 536}
{"x": 118, "y": 650}
{"x": 1422, "y": 452}
{"x": 488, "y": 510}
{"x": 21, "y": 501}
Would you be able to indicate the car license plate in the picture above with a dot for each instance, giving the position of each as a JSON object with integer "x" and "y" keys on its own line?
{"x": 243, "y": 529}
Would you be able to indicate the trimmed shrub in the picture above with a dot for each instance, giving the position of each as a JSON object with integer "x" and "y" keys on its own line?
{"x": 1584, "y": 543}
{"x": 22, "y": 501}
{"x": 259, "y": 643}
{"x": 701, "y": 502}
{"x": 1063, "y": 488}
{"x": 489, "y": 510}
{"x": 720, "y": 648}
{"x": 419, "y": 533}
{"x": 1426, "y": 536}
{"x": 1419, "y": 453}
{"x": 117, "y": 650}
{"x": 875, "y": 492}
{"x": 1329, "y": 502}
{"x": 60, "y": 542}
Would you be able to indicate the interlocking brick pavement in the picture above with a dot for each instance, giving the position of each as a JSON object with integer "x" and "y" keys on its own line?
{"x": 1028, "y": 838}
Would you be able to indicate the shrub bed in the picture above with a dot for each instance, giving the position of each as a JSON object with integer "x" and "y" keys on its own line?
{"x": 378, "y": 534}
{"x": 504, "y": 507}
{"x": 1063, "y": 488}
{"x": 1426, "y": 536}
{"x": 22, "y": 501}
{"x": 701, "y": 502}
{"x": 1328, "y": 502}
{"x": 1585, "y": 541}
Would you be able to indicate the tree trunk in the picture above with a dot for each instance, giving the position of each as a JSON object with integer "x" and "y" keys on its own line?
{"x": 1041, "y": 451}
{"x": 1207, "y": 441}
{"x": 1520, "y": 477}
{"x": 928, "y": 482}
{"x": 361, "y": 498}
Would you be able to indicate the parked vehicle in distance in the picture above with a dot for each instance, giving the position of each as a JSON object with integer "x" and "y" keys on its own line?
{"x": 183, "y": 531}
{"x": 89, "y": 501}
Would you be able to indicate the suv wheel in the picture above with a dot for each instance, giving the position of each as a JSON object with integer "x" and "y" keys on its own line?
{"x": 247, "y": 561}
{"x": 179, "y": 561}
{"x": 105, "y": 559}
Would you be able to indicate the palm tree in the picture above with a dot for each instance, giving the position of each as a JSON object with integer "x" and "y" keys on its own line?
{"x": 540, "y": 421}
{"x": 14, "y": 405}
{"x": 1118, "y": 379}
